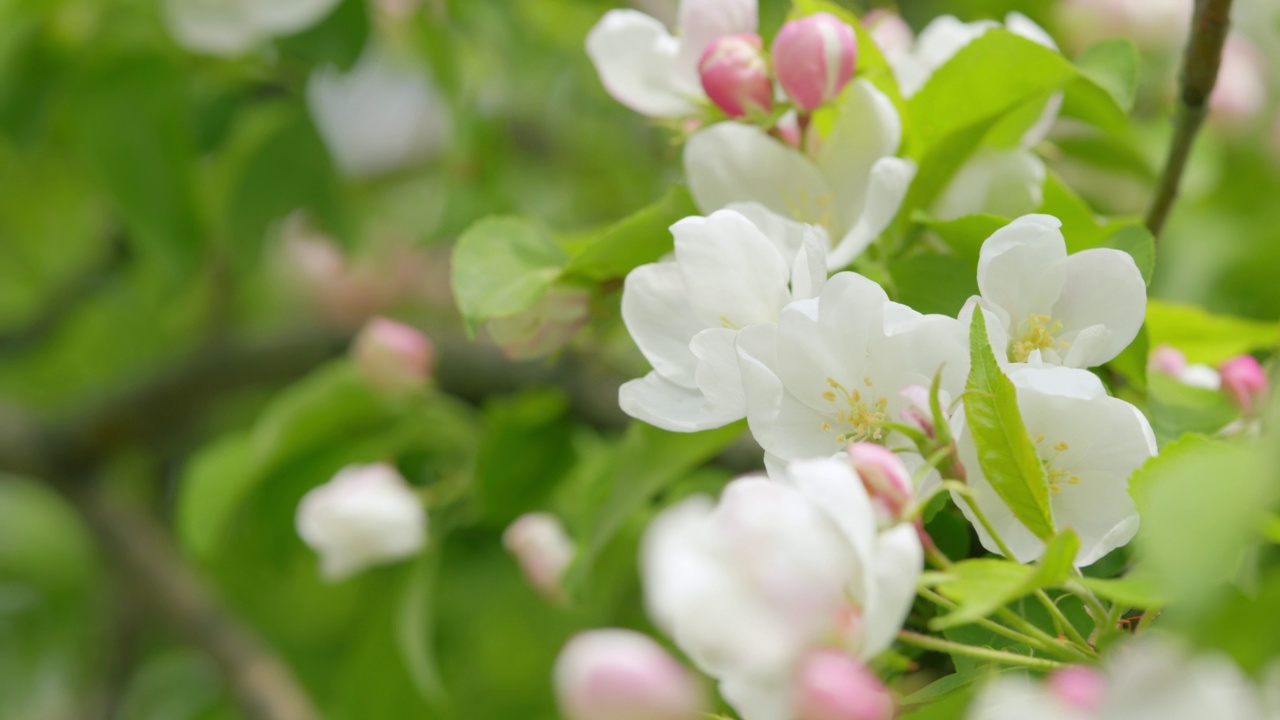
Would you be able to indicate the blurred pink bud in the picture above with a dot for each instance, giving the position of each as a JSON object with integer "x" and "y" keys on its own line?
{"x": 814, "y": 58}
{"x": 623, "y": 675}
{"x": 891, "y": 33}
{"x": 834, "y": 686}
{"x": 736, "y": 76}
{"x": 1240, "y": 94}
{"x": 1078, "y": 687}
{"x": 1245, "y": 382}
{"x": 543, "y": 549}
{"x": 1168, "y": 360}
{"x": 392, "y": 356}
{"x": 888, "y": 481}
{"x": 544, "y": 328}
{"x": 917, "y": 410}
{"x": 788, "y": 130}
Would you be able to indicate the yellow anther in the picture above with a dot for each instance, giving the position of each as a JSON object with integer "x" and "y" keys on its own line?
{"x": 1037, "y": 332}
{"x": 829, "y": 396}
{"x": 1061, "y": 446}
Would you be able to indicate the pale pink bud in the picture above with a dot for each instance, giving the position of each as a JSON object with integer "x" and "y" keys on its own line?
{"x": 1240, "y": 93}
{"x": 788, "y": 130}
{"x": 623, "y": 675}
{"x": 543, "y": 549}
{"x": 1168, "y": 360}
{"x": 1078, "y": 687}
{"x": 814, "y": 58}
{"x": 887, "y": 480}
{"x": 834, "y": 686}
{"x": 917, "y": 410}
{"x": 890, "y": 32}
{"x": 735, "y": 75}
{"x": 1245, "y": 382}
{"x": 392, "y": 356}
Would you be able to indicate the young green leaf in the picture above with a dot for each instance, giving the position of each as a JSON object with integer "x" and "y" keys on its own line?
{"x": 644, "y": 237}
{"x": 502, "y": 266}
{"x": 982, "y": 586}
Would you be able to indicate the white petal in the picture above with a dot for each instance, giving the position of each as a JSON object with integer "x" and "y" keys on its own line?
{"x": 655, "y": 309}
{"x": 1102, "y": 287}
{"x": 662, "y": 403}
{"x": 731, "y": 163}
{"x": 890, "y": 179}
{"x": 786, "y": 429}
{"x": 718, "y": 376}
{"x": 1023, "y": 26}
{"x": 802, "y": 245}
{"x": 866, "y": 129}
{"x": 940, "y": 40}
{"x": 757, "y": 698}
{"x": 832, "y": 485}
{"x": 734, "y": 275}
{"x": 702, "y": 21}
{"x": 215, "y": 27}
{"x": 282, "y": 17}
{"x": 898, "y": 560}
{"x": 1020, "y": 266}
{"x": 638, "y": 63}
{"x": 1008, "y": 182}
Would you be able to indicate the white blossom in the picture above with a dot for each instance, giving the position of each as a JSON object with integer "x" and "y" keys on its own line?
{"x": 646, "y": 67}
{"x": 232, "y": 27}
{"x": 1090, "y": 443}
{"x": 735, "y": 269}
{"x": 1077, "y": 310}
{"x": 850, "y": 183}
{"x": 615, "y": 674}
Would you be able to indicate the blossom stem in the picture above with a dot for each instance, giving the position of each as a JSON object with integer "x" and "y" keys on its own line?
{"x": 1038, "y": 639}
{"x": 932, "y": 643}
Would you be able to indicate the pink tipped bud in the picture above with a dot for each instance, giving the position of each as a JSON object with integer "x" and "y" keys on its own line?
{"x": 814, "y": 58}
{"x": 890, "y": 32}
{"x": 917, "y": 410}
{"x": 1078, "y": 687}
{"x": 1245, "y": 383}
{"x": 888, "y": 481}
{"x": 543, "y": 549}
{"x": 623, "y": 675}
{"x": 834, "y": 686}
{"x": 1167, "y": 360}
{"x": 392, "y": 356}
{"x": 735, "y": 75}
{"x": 788, "y": 130}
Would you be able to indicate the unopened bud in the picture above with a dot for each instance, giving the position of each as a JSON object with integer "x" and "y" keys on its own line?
{"x": 887, "y": 480}
{"x": 366, "y": 515}
{"x": 1078, "y": 687}
{"x": 623, "y": 675}
{"x": 834, "y": 686}
{"x": 392, "y": 356}
{"x": 917, "y": 410}
{"x": 539, "y": 543}
{"x": 1167, "y": 360}
{"x": 789, "y": 131}
{"x": 814, "y": 58}
{"x": 1245, "y": 383}
{"x": 735, "y": 75}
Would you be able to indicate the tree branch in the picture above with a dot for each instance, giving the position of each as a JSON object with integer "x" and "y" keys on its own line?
{"x": 1200, "y": 64}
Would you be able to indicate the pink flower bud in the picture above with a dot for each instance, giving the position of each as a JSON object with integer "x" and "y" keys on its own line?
{"x": 1168, "y": 360}
{"x": 543, "y": 549}
{"x": 814, "y": 58}
{"x": 1245, "y": 382}
{"x": 834, "y": 686}
{"x": 917, "y": 410}
{"x": 623, "y": 675}
{"x": 887, "y": 479}
{"x": 392, "y": 356}
{"x": 1078, "y": 687}
{"x": 735, "y": 75}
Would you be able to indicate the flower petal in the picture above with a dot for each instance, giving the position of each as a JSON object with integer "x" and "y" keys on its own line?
{"x": 1008, "y": 182}
{"x": 893, "y": 574}
{"x": 890, "y": 179}
{"x": 866, "y": 130}
{"x": 655, "y": 309}
{"x": 638, "y": 63}
{"x": 718, "y": 375}
{"x": 786, "y": 429}
{"x": 1020, "y": 266}
{"x": 702, "y": 21}
{"x": 734, "y": 275}
{"x": 281, "y": 17}
{"x": 1102, "y": 287}
{"x": 802, "y": 245}
{"x": 662, "y": 403}
{"x": 215, "y": 27}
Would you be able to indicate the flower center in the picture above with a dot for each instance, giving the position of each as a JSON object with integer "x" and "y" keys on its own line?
{"x": 854, "y": 417}
{"x": 1056, "y": 475}
{"x": 1037, "y": 332}
{"x": 806, "y": 208}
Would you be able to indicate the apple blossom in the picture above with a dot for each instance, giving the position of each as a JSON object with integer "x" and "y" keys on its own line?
{"x": 1076, "y": 310}
{"x": 1090, "y": 443}
{"x": 832, "y": 370}
{"x": 732, "y": 270}
{"x": 746, "y": 587}
{"x": 622, "y": 675}
{"x": 366, "y": 515}
{"x": 232, "y": 27}
{"x": 1170, "y": 361}
{"x": 851, "y": 183}
{"x": 544, "y": 328}
{"x": 834, "y": 686}
{"x": 650, "y": 70}
{"x": 543, "y": 549}
{"x": 1245, "y": 383}
{"x": 886, "y": 478}
{"x": 393, "y": 357}
{"x": 380, "y": 116}
{"x": 735, "y": 75}
{"x": 814, "y": 58}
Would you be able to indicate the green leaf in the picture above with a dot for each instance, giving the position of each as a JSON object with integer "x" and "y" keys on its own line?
{"x": 337, "y": 40}
{"x": 1177, "y": 409}
{"x": 1131, "y": 591}
{"x": 964, "y": 235}
{"x": 1113, "y": 65}
{"x": 934, "y": 283}
{"x": 947, "y": 685}
{"x": 526, "y": 448}
{"x": 1005, "y": 452}
{"x": 983, "y": 586}
{"x": 1138, "y": 241}
{"x": 415, "y": 628}
{"x": 1080, "y": 226}
{"x": 1084, "y": 99}
{"x": 1205, "y": 337}
{"x": 1132, "y": 361}
{"x": 501, "y": 267}
{"x": 216, "y": 480}
{"x": 644, "y": 237}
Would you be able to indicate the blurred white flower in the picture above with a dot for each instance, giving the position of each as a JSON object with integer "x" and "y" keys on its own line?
{"x": 851, "y": 183}
{"x": 654, "y": 72}
{"x": 732, "y": 270}
{"x": 1152, "y": 24}
{"x": 622, "y": 675}
{"x": 366, "y": 515}
{"x": 1170, "y": 361}
{"x": 1090, "y": 443}
{"x": 544, "y": 550}
{"x": 381, "y": 116}
{"x": 232, "y": 27}
{"x": 1076, "y": 310}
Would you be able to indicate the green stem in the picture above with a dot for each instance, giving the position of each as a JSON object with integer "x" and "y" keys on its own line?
{"x": 1040, "y": 640}
{"x": 932, "y": 643}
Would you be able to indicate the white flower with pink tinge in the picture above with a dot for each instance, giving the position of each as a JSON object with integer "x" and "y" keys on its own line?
{"x": 623, "y": 675}
{"x": 538, "y": 542}
{"x": 748, "y": 586}
{"x": 654, "y": 72}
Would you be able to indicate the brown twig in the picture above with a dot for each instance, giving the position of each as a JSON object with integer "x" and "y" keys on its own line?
{"x": 1200, "y": 65}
